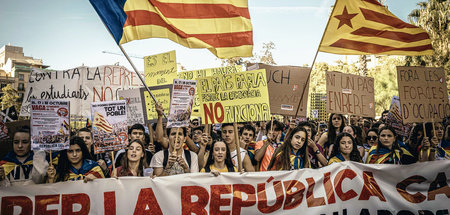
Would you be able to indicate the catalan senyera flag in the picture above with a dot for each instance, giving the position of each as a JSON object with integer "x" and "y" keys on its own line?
{"x": 365, "y": 27}
{"x": 222, "y": 26}
{"x": 101, "y": 123}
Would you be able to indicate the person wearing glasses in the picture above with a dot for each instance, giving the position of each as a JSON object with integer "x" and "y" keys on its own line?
{"x": 371, "y": 140}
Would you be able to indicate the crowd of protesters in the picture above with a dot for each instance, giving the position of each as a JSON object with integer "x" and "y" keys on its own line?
{"x": 264, "y": 146}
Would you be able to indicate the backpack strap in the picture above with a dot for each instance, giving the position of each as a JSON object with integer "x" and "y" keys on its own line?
{"x": 187, "y": 155}
{"x": 166, "y": 158}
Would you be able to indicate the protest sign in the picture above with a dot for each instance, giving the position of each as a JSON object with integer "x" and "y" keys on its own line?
{"x": 423, "y": 94}
{"x": 341, "y": 188}
{"x": 162, "y": 95}
{"x": 236, "y": 97}
{"x": 194, "y": 74}
{"x": 160, "y": 69}
{"x": 135, "y": 111}
{"x": 50, "y": 124}
{"x": 80, "y": 86}
{"x": 394, "y": 118}
{"x": 109, "y": 126}
{"x": 181, "y": 101}
{"x": 350, "y": 94}
{"x": 286, "y": 84}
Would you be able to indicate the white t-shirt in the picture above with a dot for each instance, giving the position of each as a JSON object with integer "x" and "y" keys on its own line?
{"x": 158, "y": 160}
{"x": 234, "y": 158}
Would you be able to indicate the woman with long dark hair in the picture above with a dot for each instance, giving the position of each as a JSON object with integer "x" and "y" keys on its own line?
{"x": 345, "y": 149}
{"x": 75, "y": 164}
{"x": 134, "y": 162}
{"x": 292, "y": 154}
{"x": 388, "y": 150}
{"x": 219, "y": 159}
{"x": 336, "y": 125}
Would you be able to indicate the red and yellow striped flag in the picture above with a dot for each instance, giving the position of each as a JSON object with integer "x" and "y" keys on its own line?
{"x": 222, "y": 26}
{"x": 101, "y": 123}
{"x": 364, "y": 27}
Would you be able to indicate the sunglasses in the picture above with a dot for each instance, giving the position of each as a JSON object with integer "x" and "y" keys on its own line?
{"x": 371, "y": 137}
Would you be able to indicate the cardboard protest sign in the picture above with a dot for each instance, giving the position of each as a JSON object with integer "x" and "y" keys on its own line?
{"x": 423, "y": 94}
{"x": 50, "y": 124}
{"x": 160, "y": 69}
{"x": 162, "y": 95}
{"x": 236, "y": 97}
{"x": 286, "y": 84}
{"x": 194, "y": 74}
{"x": 135, "y": 101}
{"x": 181, "y": 101}
{"x": 350, "y": 94}
{"x": 80, "y": 86}
{"x": 109, "y": 126}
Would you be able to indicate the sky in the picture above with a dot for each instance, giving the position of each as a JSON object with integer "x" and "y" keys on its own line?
{"x": 68, "y": 33}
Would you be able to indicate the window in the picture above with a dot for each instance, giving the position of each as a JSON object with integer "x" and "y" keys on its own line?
{"x": 21, "y": 86}
{"x": 21, "y": 77}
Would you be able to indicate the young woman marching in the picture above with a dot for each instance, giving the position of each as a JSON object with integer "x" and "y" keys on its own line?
{"x": 134, "y": 162}
{"x": 74, "y": 164}
{"x": 336, "y": 125}
{"x": 293, "y": 153}
{"x": 345, "y": 149}
{"x": 388, "y": 150}
{"x": 219, "y": 159}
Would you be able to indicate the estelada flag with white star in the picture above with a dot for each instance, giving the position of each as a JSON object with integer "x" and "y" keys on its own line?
{"x": 364, "y": 27}
{"x": 9, "y": 114}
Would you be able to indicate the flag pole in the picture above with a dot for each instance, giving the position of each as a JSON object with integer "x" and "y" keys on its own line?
{"x": 314, "y": 60}
{"x": 134, "y": 67}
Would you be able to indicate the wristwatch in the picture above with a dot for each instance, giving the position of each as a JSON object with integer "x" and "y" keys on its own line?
{"x": 317, "y": 152}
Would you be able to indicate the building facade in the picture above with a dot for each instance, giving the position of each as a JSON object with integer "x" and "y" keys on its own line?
{"x": 15, "y": 68}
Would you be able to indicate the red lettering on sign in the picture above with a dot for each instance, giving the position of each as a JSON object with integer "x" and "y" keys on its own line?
{"x": 23, "y": 202}
{"x": 68, "y": 200}
{"x": 43, "y": 201}
{"x": 147, "y": 203}
{"x": 370, "y": 188}
{"x": 197, "y": 207}
{"x": 216, "y": 201}
{"x": 238, "y": 202}
{"x": 345, "y": 173}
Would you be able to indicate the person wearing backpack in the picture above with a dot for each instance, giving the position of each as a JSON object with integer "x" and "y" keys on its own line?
{"x": 174, "y": 160}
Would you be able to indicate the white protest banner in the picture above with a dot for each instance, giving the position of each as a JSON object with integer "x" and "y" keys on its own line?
{"x": 423, "y": 94}
{"x": 341, "y": 188}
{"x": 109, "y": 126}
{"x": 181, "y": 101}
{"x": 135, "y": 102}
{"x": 350, "y": 94}
{"x": 50, "y": 124}
{"x": 80, "y": 86}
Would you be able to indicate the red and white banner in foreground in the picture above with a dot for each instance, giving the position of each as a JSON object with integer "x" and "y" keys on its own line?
{"x": 342, "y": 188}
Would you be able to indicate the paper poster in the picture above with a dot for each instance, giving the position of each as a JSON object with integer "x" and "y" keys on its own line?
{"x": 236, "y": 97}
{"x": 181, "y": 101}
{"x": 162, "y": 95}
{"x": 160, "y": 69}
{"x": 135, "y": 112}
{"x": 109, "y": 126}
{"x": 350, "y": 94}
{"x": 50, "y": 124}
{"x": 194, "y": 74}
{"x": 286, "y": 84}
{"x": 423, "y": 94}
{"x": 80, "y": 86}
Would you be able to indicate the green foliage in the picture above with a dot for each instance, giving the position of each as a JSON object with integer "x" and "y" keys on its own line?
{"x": 434, "y": 17}
{"x": 265, "y": 57}
{"x": 9, "y": 98}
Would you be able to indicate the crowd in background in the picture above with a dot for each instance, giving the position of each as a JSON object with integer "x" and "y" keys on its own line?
{"x": 275, "y": 145}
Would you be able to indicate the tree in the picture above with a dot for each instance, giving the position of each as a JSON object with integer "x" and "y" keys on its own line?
{"x": 9, "y": 98}
{"x": 265, "y": 57}
{"x": 433, "y": 16}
